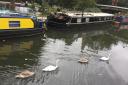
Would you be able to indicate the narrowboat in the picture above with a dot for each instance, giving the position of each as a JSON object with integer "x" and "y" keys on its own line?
{"x": 70, "y": 18}
{"x": 15, "y": 24}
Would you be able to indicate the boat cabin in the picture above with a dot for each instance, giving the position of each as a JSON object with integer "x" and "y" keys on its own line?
{"x": 79, "y": 18}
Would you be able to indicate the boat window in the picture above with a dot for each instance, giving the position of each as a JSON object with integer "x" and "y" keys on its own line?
{"x": 83, "y": 19}
{"x": 92, "y": 19}
{"x": 74, "y": 20}
{"x": 96, "y": 18}
{"x": 14, "y": 23}
{"x": 102, "y": 18}
{"x": 99, "y": 18}
{"x": 107, "y": 18}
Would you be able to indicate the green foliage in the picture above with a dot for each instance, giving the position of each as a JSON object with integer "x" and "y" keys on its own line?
{"x": 48, "y": 5}
{"x": 80, "y": 5}
{"x": 76, "y": 4}
{"x": 66, "y": 3}
{"x": 83, "y": 4}
{"x": 92, "y": 10}
{"x": 46, "y": 8}
{"x": 107, "y": 2}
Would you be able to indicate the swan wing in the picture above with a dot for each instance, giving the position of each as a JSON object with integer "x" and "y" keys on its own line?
{"x": 104, "y": 58}
{"x": 19, "y": 76}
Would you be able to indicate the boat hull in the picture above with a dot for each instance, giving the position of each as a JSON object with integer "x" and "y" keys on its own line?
{"x": 51, "y": 24}
{"x": 9, "y": 33}
{"x": 55, "y": 24}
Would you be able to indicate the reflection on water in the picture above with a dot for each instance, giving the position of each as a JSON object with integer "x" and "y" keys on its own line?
{"x": 7, "y": 49}
{"x": 35, "y": 53}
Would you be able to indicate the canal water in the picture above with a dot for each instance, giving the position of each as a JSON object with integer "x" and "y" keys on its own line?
{"x": 68, "y": 45}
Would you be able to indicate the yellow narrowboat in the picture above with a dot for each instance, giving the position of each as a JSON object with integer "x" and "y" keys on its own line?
{"x": 16, "y": 24}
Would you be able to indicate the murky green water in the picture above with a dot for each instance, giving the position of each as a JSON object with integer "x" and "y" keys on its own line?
{"x": 93, "y": 42}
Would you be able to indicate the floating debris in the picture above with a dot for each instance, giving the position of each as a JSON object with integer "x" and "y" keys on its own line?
{"x": 25, "y": 74}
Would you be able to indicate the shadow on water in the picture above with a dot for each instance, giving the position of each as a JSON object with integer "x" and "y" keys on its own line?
{"x": 35, "y": 53}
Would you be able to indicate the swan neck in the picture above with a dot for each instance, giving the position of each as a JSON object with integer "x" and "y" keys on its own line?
{"x": 109, "y": 55}
{"x": 57, "y": 63}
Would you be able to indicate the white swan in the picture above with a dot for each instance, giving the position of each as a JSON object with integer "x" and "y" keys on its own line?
{"x": 105, "y": 58}
{"x": 51, "y": 67}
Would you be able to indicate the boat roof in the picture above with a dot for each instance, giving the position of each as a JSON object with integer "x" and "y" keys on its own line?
{"x": 17, "y": 4}
{"x": 8, "y": 13}
{"x": 89, "y": 14}
{"x": 4, "y": 11}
